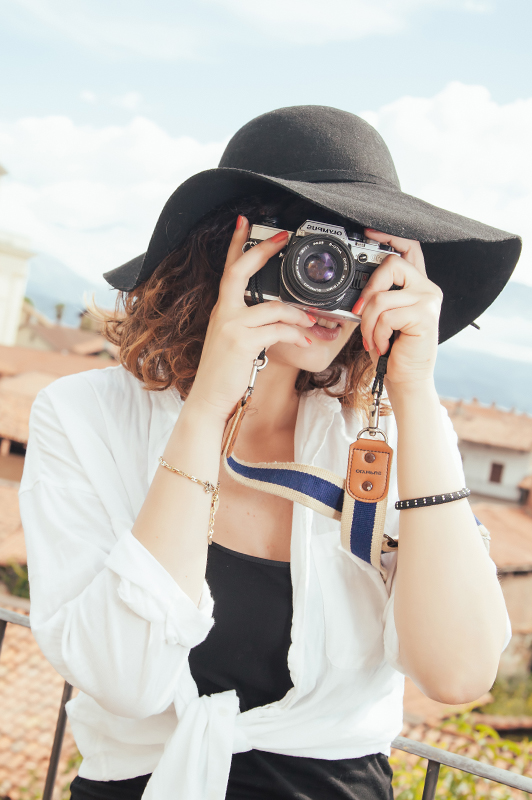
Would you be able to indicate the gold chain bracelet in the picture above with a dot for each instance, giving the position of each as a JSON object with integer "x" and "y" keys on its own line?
{"x": 208, "y": 487}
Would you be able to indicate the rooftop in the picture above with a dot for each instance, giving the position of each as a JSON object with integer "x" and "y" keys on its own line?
{"x": 15, "y": 360}
{"x": 16, "y": 397}
{"x": 63, "y": 338}
{"x": 488, "y": 425}
{"x": 30, "y": 694}
{"x": 12, "y": 545}
{"x": 510, "y": 528}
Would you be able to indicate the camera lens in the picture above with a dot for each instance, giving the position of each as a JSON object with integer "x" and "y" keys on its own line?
{"x": 320, "y": 267}
{"x": 317, "y": 270}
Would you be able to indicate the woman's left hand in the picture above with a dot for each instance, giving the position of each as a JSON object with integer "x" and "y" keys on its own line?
{"x": 414, "y": 311}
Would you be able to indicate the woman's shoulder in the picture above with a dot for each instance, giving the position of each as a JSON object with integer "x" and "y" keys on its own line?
{"x": 101, "y": 382}
{"x": 99, "y": 395}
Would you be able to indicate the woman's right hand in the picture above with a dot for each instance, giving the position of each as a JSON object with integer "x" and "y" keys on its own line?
{"x": 237, "y": 333}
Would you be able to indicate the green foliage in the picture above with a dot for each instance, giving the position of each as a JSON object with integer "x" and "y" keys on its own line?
{"x": 409, "y": 775}
{"x": 73, "y": 763}
{"x": 33, "y": 790}
{"x": 15, "y": 577}
{"x": 35, "y": 785}
{"x": 511, "y": 697}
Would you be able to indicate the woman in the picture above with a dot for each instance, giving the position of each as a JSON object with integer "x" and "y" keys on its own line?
{"x": 292, "y": 686}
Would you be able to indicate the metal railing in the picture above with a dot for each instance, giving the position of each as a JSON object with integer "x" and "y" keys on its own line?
{"x": 435, "y": 756}
{"x": 20, "y": 619}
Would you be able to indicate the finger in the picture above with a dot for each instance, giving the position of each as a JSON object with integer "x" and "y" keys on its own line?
{"x": 407, "y": 320}
{"x": 380, "y": 303}
{"x": 236, "y": 275}
{"x": 238, "y": 240}
{"x": 410, "y": 249}
{"x": 393, "y": 270}
{"x": 269, "y": 335}
{"x": 275, "y": 311}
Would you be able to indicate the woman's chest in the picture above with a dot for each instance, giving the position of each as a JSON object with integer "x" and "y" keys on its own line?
{"x": 253, "y": 522}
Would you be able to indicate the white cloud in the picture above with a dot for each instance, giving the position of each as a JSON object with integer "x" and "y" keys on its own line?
{"x": 130, "y": 101}
{"x": 88, "y": 97}
{"x": 170, "y": 30}
{"x": 478, "y": 7}
{"x": 463, "y": 151}
{"x": 312, "y": 21}
{"x": 498, "y": 338}
{"x": 119, "y": 29}
{"x": 91, "y": 196}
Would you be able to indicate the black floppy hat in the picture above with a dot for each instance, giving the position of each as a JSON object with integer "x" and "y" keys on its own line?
{"x": 338, "y": 162}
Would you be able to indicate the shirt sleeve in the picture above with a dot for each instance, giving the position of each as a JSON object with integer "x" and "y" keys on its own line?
{"x": 391, "y": 640}
{"x": 104, "y": 611}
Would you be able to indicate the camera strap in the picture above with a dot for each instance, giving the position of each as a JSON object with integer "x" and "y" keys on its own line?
{"x": 358, "y": 500}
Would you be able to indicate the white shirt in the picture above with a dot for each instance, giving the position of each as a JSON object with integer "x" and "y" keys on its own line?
{"x": 115, "y": 624}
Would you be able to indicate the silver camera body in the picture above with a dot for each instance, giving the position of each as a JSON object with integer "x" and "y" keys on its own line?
{"x": 322, "y": 269}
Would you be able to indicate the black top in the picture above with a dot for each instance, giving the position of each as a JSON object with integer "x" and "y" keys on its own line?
{"x": 247, "y": 647}
{"x": 247, "y": 650}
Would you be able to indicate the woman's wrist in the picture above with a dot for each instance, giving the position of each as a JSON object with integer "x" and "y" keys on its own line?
{"x": 202, "y": 416}
{"x": 404, "y": 395}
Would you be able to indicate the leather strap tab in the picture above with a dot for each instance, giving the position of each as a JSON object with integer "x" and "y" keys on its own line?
{"x": 233, "y": 427}
{"x": 368, "y": 470}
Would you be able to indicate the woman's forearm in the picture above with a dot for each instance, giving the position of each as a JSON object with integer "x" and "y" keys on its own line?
{"x": 173, "y": 522}
{"x": 449, "y": 609}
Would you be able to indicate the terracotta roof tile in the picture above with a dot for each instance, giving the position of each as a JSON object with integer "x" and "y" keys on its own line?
{"x": 488, "y": 425}
{"x": 510, "y": 528}
{"x": 30, "y": 694}
{"x": 74, "y": 340}
{"x": 14, "y": 360}
{"x": 12, "y": 546}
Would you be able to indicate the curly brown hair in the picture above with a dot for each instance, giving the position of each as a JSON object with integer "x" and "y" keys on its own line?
{"x": 160, "y": 326}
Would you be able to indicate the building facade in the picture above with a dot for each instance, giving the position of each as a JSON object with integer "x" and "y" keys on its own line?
{"x": 14, "y": 256}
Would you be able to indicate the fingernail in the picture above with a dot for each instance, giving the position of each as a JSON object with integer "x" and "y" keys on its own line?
{"x": 359, "y": 305}
{"x": 378, "y": 352}
{"x": 311, "y": 318}
{"x": 366, "y": 348}
{"x": 308, "y": 340}
{"x": 280, "y": 236}
{"x": 240, "y": 222}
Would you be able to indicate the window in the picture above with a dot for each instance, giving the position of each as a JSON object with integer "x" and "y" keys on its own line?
{"x": 496, "y": 473}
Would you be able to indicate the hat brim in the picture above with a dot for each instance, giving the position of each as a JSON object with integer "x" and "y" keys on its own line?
{"x": 470, "y": 261}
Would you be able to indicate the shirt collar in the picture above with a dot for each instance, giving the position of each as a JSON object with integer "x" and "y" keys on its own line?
{"x": 316, "y": 413}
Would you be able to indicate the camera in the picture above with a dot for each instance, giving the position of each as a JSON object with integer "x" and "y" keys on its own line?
{"x": 323, "y": 268}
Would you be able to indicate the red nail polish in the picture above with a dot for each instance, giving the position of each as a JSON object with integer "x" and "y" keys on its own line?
{"x": 279, "y": 236}
{"x": 311, "y": 318}
{"x": 365, "y": 344}
{"x": 308, "y": 340}
{"x": 359, "y": 305}
{"x": 378, "y": 352}
{"x": 240, "y": 221}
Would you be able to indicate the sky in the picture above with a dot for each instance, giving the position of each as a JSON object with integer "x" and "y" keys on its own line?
{"x": 107, "y": 106}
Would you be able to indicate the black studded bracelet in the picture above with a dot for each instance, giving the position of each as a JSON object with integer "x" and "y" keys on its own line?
{"x": 433, "y": 500}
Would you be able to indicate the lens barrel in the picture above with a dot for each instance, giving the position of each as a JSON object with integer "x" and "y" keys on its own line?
{"x": 317, "y": 270}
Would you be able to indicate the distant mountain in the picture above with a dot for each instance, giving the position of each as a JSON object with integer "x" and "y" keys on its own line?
{"x": 466, "y": 374}
{"x": 51, "y": 282}
{"x": 514, "y": 301}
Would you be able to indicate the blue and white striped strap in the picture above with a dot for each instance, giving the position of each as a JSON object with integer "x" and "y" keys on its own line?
{"x": 362, "y": 520}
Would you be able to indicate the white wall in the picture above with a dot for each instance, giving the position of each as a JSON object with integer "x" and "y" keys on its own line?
{"x": 14, "y": 255}
{"x": 477, "y": 460}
